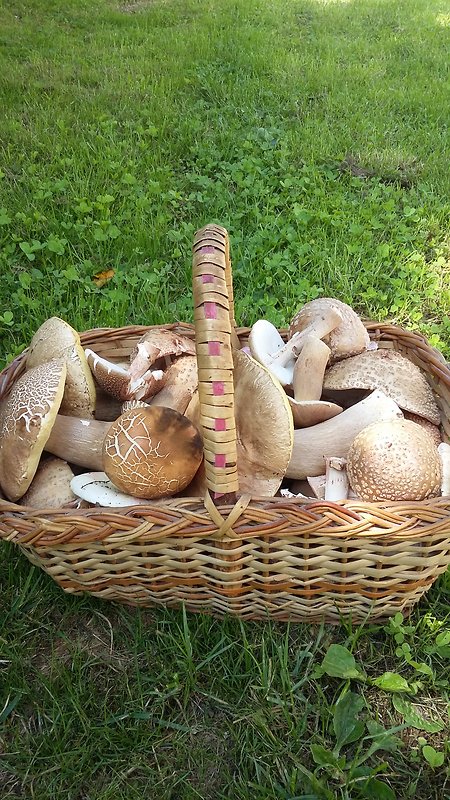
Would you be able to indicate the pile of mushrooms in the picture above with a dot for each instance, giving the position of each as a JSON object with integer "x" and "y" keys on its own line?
{"x": 324, "y": 414}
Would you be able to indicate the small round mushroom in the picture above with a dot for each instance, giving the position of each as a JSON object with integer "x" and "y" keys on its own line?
{"x": 333, "y": 321}
{"x": 57, "y": 339}
{"x": 50, "y": 487}
{"x": 97, "y": 489}
{"x": 389, "y": 371}
{"x": 152, "y": 452}
{"x": 26, "y": 421}
{"x": 394, "y": 460}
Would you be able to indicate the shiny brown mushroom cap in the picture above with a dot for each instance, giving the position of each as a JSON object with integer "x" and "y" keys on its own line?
{"x": 152, "y": 452}
{"x": 57, "y": 339}
{"x": 394, "y": 460}
{"x": 26, "y": 422}
{"x": 389, "y": 371}
{"x": 346, "y": 338}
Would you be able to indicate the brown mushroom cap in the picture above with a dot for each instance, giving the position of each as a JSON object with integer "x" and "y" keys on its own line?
{"x": 57, "y": 339}
{"x": 118, "y": 382}
{"x": 26, "y": 423}
{"x": 432, "y": 429}
{"x": 180, "y": 383}
{"x": 50, "y": 487}
{"x": 152, "y": 452}
{"x": 394, "y": 460}
{"x": 345, "y": 339}
{"x": 264, "y": 426}
{"x": 157, "y": 344}
{"x": 389, "y": 371}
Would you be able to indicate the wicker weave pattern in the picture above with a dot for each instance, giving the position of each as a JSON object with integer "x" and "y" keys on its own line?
{"x": 256, "y": 557}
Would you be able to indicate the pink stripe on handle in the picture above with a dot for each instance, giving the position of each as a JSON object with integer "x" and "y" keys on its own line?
{"x": 214, "y": 348}
{"x": 220, "y": 460}
{"x": 220, "y": 424}
{"x": 208, "y": 248}
{"x": 210, "y": 311}
{"x": 207, "y": 278}
{"x": 218, "y": 388}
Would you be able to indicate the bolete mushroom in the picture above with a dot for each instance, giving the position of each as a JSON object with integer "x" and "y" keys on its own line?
{"x": 50, "y": 487}
{"x": 333, "y": 321}
{"x": 389, "y": 371}
{"x": 333, "y": 437}
{"x": 26, "y": 421}
{"x": 394, "y": 460}
{"x": 57, "y": 339}
{"x": 152, "y": 452}
{"x": 306, "y": 406}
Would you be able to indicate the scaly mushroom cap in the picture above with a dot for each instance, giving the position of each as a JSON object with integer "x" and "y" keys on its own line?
{"x": 348, "y": 338}
{"x": 394, "y": 460}
{"x": 152, "y": 452}
{"x": 389, "y": 371}
{"x": 432, "y": 429}
{"x": 264, "y": 427}
{"x": 50, "y": 487}
{"x": 156, "y": 345}
{"x": 26, "y": 422}
{"x": 57, "y": 339}
{"x": 180, "y": 383}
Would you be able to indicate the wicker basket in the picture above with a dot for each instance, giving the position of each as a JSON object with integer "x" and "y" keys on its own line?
{"x": 224, "y": 554}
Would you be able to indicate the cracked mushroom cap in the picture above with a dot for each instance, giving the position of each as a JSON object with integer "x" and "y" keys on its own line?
{"x": 57, "y": 339}
{"x": 264, "y": 427}
{"x": 394, "y": 460}
{"x": 152, "y": 452}
{"x": 26, "y": 422}
{"x": 389, "y": 371}
{"x": 347, "y": 338}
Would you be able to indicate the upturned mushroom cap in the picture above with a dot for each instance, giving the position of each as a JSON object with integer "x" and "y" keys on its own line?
{"x": 118, "y": 382}
{"x": 26, "y": 422}
{"x": 50, "y": 487}
{"x": 264, "y": 426}
{"x": 57, "y": 339}
{"x": 155, "y": 345}
{"x": 394, "y": 460}
{"x": 389, "y": 371}
{"x": 344, "y": 339}
{"x": 152, "y": 452}
{"x": 97, "y": 489}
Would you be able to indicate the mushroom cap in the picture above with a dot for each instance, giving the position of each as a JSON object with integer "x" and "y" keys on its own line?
{"x": 26, "y": 422}
{"x": 50, "y": 487}
{"x": 394, "y": 460}
{"x": 96, "y": 488}
{"x": 392, "y": 373}
{"x": 432, "y": 429}
{"x": 57, "y": 339}
{"x": 264, "y": 342}
{"x": 180, "y": 383}
{"x": 264, "y": 427}
{"x": 156, "y": 344}
{"x": 348, "y": 338}
{"x": 152, "y": 452}
{"x": 118, "y": 382}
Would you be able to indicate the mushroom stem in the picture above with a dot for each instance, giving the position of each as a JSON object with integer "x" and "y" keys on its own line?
{"x": 78, "y": 441}
{"x": 309, "y": 369}
{"x": 319, "y": 327}
{"x": 334, "y": 436}
{"x": 336, "y": 479}
{"x": 444, "y": 454}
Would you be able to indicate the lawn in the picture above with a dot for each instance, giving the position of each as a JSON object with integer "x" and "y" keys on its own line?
{"x": 317, "y": 133}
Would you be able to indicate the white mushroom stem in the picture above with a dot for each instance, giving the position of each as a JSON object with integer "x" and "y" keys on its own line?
{"x": 78, "y": 441}
{"x": 333, "y": 438}
{"x": 336, "y": 479}
{"x": 319, "y": 327}
{"x": 444, "y": 453}
{"x": 309, "y": 369}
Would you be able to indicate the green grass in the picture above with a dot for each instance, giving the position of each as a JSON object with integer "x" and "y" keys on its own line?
{"x": 317, "y": 133}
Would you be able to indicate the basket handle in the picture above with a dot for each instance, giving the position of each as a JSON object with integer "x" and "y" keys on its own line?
{"x": 214, "y": 337}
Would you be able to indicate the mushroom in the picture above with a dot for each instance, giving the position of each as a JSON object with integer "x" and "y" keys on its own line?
{"x": 306, "y": 406}
{"x": 50, "y": 487}
{"x": 26, "y": 421}
{"x": 57, "y": 339}
{"x": 97, "y": 489}
{"x": 333, "y": 437}
{"x": 155, "y": 345}
{"x": 389, "y": 371}
{"x": 152, "y": 452}
{"x": 394, "y": 460}
{"x": 180, "y": 383}
{"x": 119, "y": 382}
{"x": 444, "y": 455}
{"x": 336, "y": 479}
{"x": 267, "y": 346}
{"x": 333, "y": 321}
{"x": 432, "y": 429}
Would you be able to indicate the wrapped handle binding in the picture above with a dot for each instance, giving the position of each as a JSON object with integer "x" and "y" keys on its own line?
{"x": 214, "y": 336}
